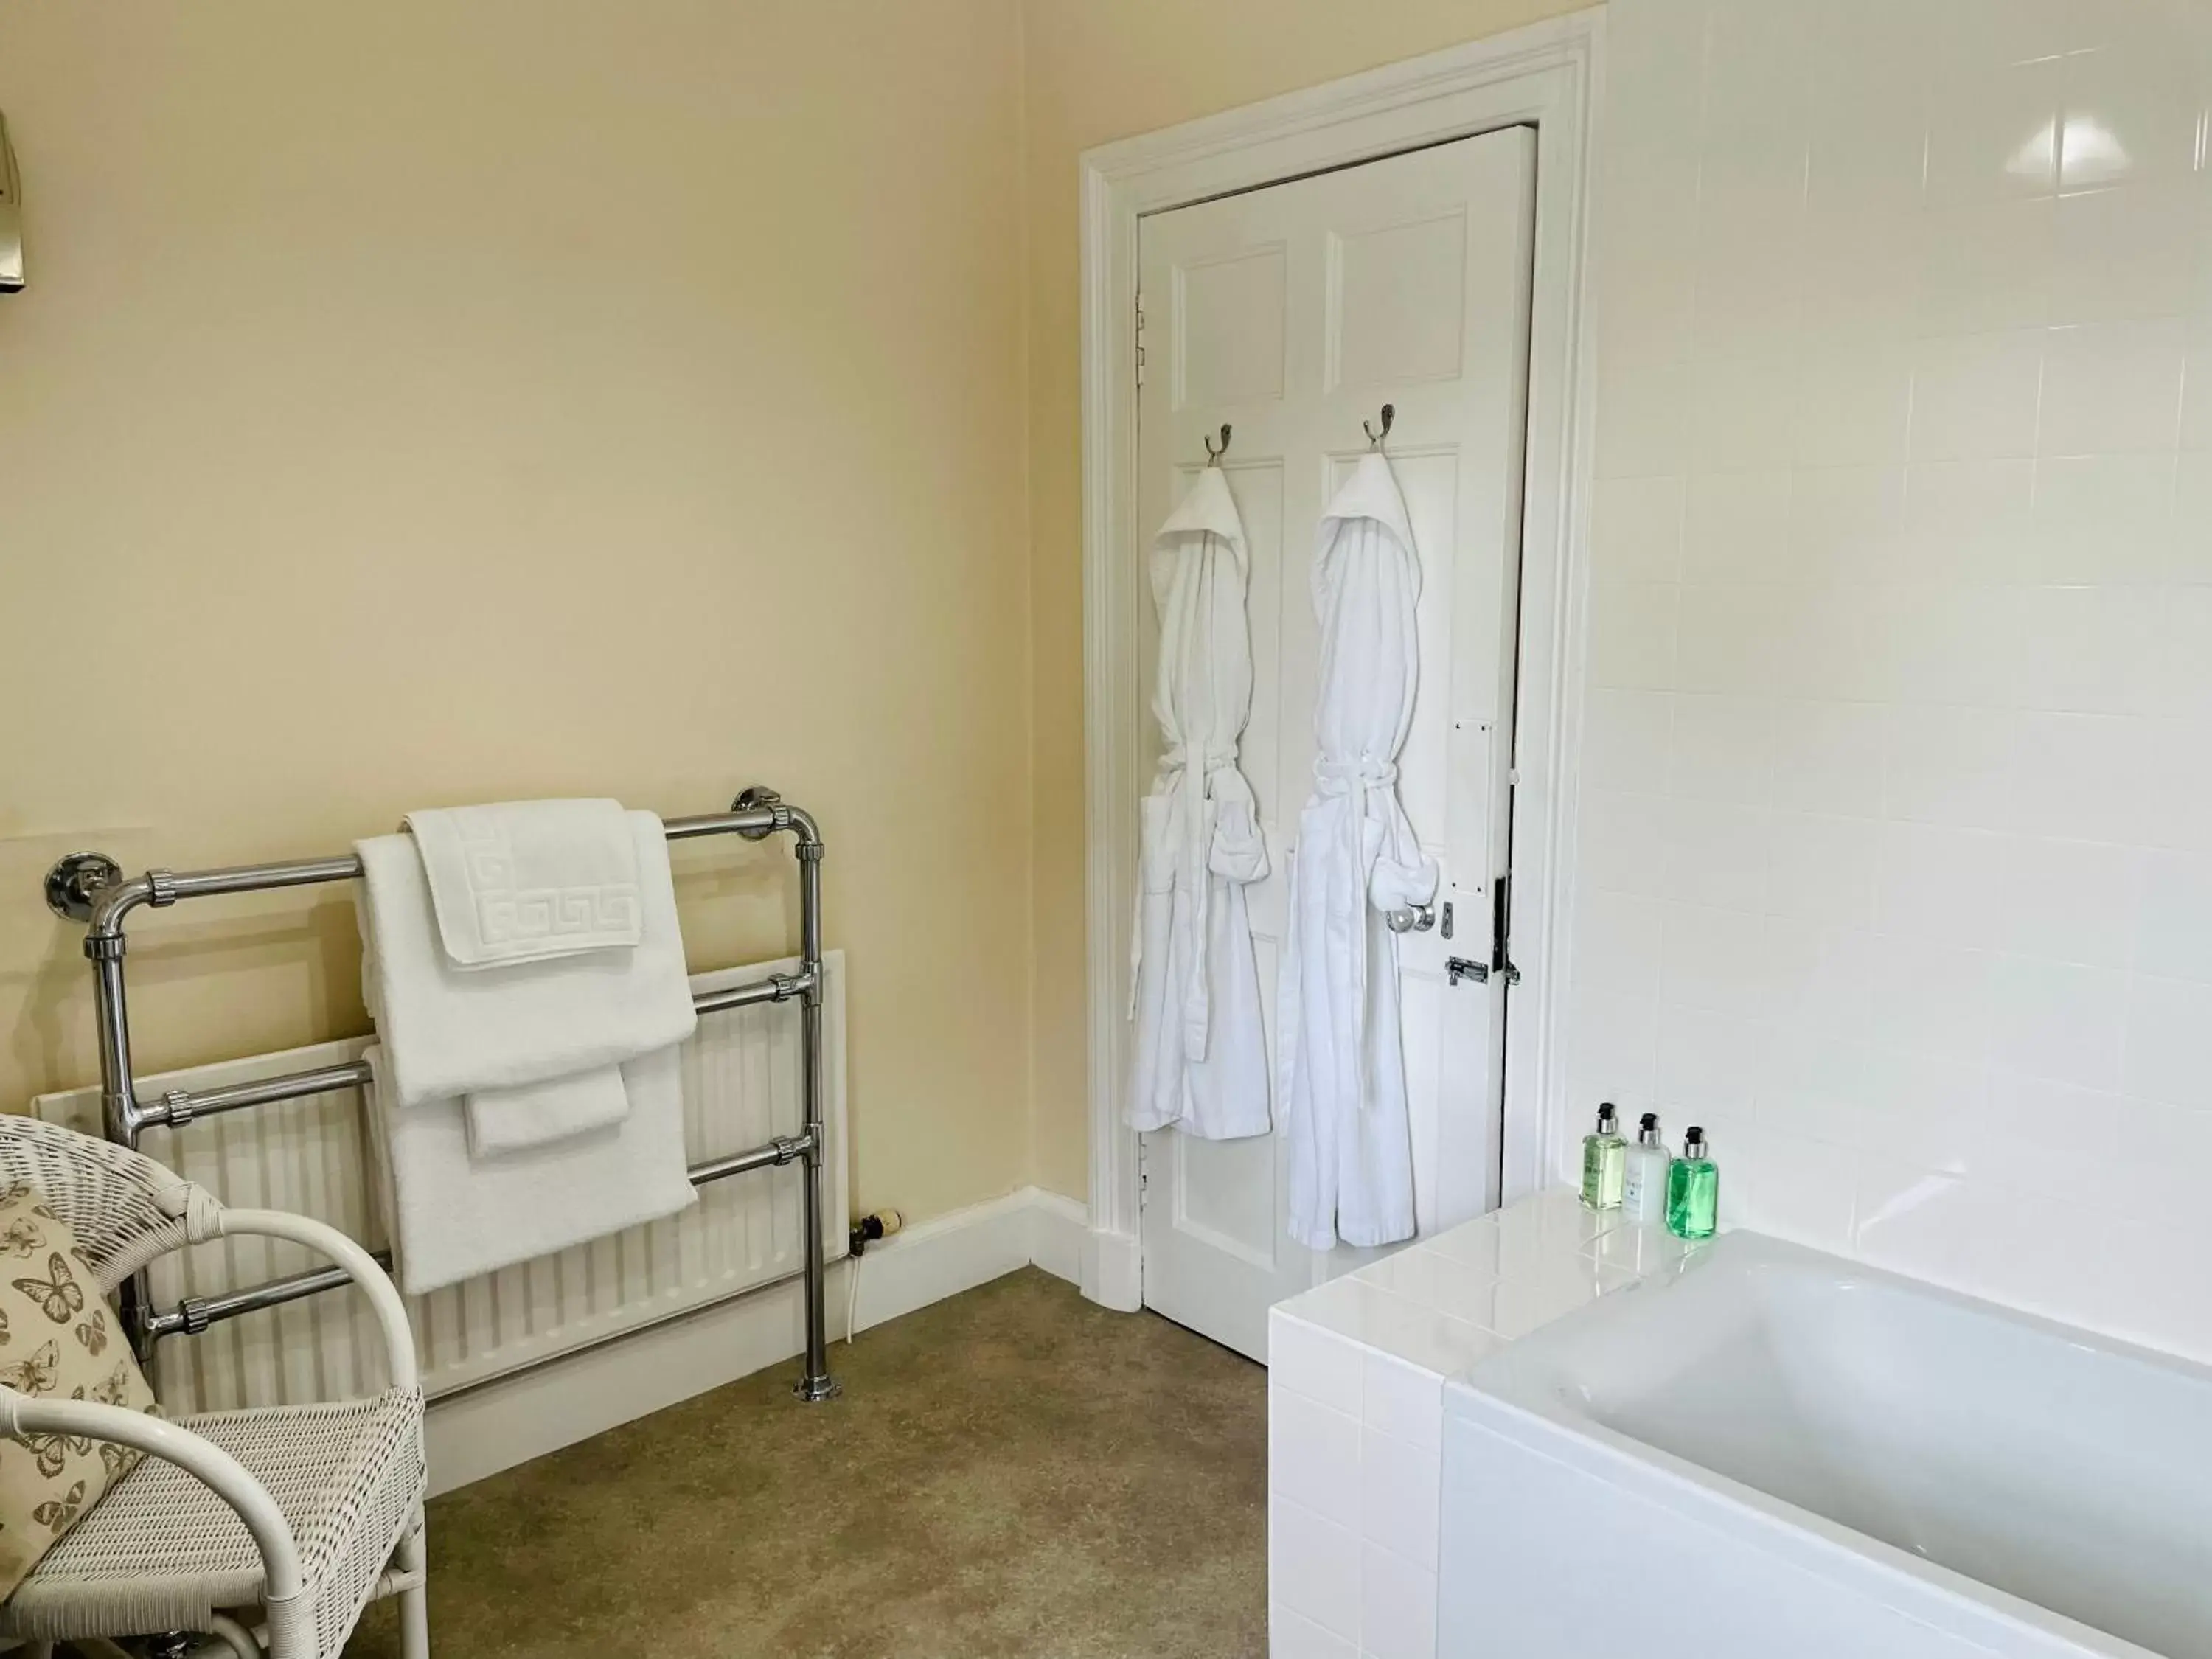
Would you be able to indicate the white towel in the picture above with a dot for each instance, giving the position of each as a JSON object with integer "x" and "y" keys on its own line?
{"x": 452, "y": 1217}
{"x": 502, "y": 1121}
{"x": 530, "y": 880}
{"x": 449, "y": 1032}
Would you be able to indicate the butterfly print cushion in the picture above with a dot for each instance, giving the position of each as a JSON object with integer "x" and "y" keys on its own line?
{"x": 58, "y": 1340}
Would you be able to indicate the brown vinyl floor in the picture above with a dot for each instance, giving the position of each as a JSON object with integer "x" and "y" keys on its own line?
{"x": 1013, "y": 1471}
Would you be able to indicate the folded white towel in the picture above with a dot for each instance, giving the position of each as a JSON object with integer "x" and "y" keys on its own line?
{"x": 503, "y": 1121}
{"x": 530, "y": 880}
{"x": 449, "y": 1032}
{"x": 452, "y": 1217}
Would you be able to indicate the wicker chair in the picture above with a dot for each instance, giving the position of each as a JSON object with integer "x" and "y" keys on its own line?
{"x": 309, "y": 1512}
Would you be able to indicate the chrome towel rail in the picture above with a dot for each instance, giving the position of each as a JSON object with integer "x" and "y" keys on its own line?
{"x": 91, "y": 888}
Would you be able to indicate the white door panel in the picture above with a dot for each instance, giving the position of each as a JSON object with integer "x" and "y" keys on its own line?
{"x": 1293, "y": 313}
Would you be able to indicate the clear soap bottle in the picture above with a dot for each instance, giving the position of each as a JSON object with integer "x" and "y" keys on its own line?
{"x": 1693, "y": 1190}
{"x": 1605, "y": 1162}
{"x": 1644, "y": 1185}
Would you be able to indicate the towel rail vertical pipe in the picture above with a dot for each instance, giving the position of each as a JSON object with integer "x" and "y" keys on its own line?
{"x": 90, "y": 888}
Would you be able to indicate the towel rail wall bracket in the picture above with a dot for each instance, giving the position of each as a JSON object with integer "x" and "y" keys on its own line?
{"x": 91, "y": 888}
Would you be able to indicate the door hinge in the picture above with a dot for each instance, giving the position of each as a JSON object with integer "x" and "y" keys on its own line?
{"x": 1140, "y": 339}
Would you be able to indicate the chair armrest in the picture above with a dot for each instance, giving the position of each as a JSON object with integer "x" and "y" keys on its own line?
{"x": 358, "y": 1265}
{"x": 206, "y": 1462}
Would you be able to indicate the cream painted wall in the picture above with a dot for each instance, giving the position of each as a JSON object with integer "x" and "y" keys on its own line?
{"x": 423, "y": 401}
{"x": 1095, "y": 71}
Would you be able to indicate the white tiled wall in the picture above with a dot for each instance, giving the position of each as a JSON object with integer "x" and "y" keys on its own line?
{"x": 1356, "y": 1371}
{"x": 1895, "y": 859}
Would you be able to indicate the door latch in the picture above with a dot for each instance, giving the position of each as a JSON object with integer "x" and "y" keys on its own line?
{"x": 1501, "y": 918}
{"x": 1501, "y": 960}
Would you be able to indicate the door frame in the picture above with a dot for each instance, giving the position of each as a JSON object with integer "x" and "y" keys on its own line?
{"x": 1547, "y": 76}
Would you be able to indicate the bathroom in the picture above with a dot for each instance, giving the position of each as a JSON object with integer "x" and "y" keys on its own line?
{"x": 1799, "y": 423}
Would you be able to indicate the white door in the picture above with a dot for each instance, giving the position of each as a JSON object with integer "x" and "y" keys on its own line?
{"x": 1293, "y": 313}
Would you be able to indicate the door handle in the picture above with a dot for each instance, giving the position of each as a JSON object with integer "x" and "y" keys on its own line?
{"x": 1413, "y": 919}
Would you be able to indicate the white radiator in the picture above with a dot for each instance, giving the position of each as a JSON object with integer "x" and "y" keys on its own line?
{"x": 741, "y": 1087}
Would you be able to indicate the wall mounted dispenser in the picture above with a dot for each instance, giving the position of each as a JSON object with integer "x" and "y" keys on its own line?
{"x": 11, "y": 217}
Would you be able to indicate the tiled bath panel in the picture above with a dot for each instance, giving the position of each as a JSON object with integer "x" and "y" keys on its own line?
{"x": 1894, "y": 862}
{"x": 1355, "y": 1379}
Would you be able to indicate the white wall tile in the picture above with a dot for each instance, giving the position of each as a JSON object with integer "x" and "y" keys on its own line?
{"x": 1907, "y": 885}
{"x": 2163, "y": 1055}
{"x": 2197, "y": 392}
{"x": 1937, "y": 884}
{"x": 1726, "y": 638}
{"x": 1627, "y": 739}
{"x": 1934, "y": 999}
{"x": 2084, "y": 776}
{"x": 1293, "y": 1636}
{"x": 1987, "y": 266}
{"x": 2120, "y": 255}
{"x": 1737, "y": 527}
{"x": 1404, "y": 1402}
{"x": 1632, "y": 634}
{"x": 1642, "y": 395}
{"x": 1313, "y": 1566}
{"x": 1626, "y": 844}
{"x": 1964, "y": 520}
{"x": 2101, "y": 519}
{"x": 1313, "y": 1456}
{"x": 1398, "y": 1497}
{"x": 1847, "y": 522}
{"x": 1722, "y": 750}
{"x": 2131, "y": 113}
{"x": 1828, "y": 756}
{"x": 1806, "y": 1190}
{"x": 1322, "y": 1365}
{"x": 1821, "y": 869}
{"x": 1974, "y": 395}
{"x": 1992, "y": 132}
{"x": 1636, "y": 530}
{"x": 1819, "y": 978}
{"x": 2174, "y": 931}
{"x": 1398, "y": 1606}
{"x": 2112, "y": 387}
{"x": 2057, "y": 1020}
{"x": 2069, "y": 900}
{"x": 1707, "y": 1062}
{"x": 1740, "y": 405}
{"x": 1617, "y": 946}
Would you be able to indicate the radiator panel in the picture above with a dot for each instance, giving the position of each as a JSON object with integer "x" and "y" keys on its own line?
{"x": 741, "y": 1087}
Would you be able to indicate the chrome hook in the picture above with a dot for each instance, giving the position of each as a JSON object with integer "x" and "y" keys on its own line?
{"x": 1374, "y": 438}
{"x": 1212, "y": 455}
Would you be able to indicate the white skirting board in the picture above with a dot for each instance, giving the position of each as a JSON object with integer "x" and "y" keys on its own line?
{"x": 484, "y": 1430}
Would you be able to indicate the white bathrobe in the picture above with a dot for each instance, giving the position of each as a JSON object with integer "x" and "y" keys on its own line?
{"x": 1343, "y": 1062}
{"x": 1200, "y": 1059}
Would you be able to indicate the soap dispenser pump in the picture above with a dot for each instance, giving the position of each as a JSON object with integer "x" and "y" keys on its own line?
{"x": 1605, "y": 1156}
{"x": 1643, "y": 1186}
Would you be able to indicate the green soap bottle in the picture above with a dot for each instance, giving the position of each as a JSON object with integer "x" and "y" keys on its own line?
{"x": 1605, "y": 1162}
{"x": 1693, "y": 1189}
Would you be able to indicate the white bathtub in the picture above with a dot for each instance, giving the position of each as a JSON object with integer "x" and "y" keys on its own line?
{"x": 1778, "y": 1454}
